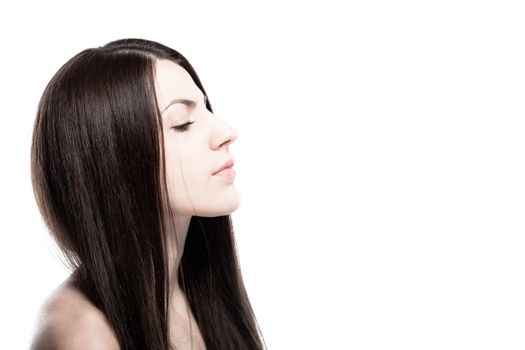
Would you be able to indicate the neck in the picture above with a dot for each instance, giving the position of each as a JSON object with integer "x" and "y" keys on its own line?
{"x": 180, "y": 319}
{"x": 176, "y": 250}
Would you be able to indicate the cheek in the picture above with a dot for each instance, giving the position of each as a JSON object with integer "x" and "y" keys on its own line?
{"x": 185, "y": 168}
{"x": 188, "y": 162}
{"x": 173, "y": 171}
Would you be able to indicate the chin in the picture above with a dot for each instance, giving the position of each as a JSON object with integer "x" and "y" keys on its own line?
{"x": 224, "y": 209}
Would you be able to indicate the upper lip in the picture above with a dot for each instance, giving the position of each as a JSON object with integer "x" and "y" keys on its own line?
{"x": 229, "y": 163}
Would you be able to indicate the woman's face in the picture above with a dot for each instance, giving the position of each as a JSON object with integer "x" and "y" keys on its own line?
{"x": 192, "y": 156}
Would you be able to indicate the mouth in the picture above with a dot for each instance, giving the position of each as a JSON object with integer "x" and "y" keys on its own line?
{"x": 227, "y": 172}
{"x": 225, "y": 169}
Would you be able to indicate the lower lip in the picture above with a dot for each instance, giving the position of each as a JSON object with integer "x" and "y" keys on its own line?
{"x": 228, "y": 172}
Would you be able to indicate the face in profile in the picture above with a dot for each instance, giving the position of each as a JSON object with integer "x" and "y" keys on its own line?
{"x": 195, "y": 151}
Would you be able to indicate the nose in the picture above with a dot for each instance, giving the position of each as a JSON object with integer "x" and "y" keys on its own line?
{"x": 225, "y": 136}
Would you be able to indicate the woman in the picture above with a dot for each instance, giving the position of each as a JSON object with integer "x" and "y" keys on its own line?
{"x": 127, "y": 166}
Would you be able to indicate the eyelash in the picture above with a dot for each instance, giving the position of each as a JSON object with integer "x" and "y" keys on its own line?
{"x": 183, "y": 127}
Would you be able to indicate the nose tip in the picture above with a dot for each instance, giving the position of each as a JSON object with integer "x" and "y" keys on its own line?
{"x": 232, "y": 136}
{"x": 227, "y": 142}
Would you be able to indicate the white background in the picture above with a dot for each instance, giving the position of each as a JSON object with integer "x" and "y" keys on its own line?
{"x": 380, "y": 161}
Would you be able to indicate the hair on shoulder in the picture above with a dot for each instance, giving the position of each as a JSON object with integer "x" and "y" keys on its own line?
{"x": 98, "y": 175}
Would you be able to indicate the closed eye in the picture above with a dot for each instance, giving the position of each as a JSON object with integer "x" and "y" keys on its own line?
{"x": 183, "y": 127}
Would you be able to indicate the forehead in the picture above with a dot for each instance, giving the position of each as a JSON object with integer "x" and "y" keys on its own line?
{"x": 173, "y": 82}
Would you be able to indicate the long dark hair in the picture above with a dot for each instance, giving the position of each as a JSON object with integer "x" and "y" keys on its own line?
{"x": 98, "y": 174}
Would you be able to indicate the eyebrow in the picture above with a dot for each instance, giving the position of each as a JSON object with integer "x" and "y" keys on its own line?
{"x": 189, "y": 103}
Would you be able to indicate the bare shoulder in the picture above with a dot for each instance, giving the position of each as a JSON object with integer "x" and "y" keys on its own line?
{"x": 68, "y": 320}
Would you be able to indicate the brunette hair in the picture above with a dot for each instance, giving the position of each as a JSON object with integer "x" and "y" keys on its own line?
{"x": 98, "y": 174}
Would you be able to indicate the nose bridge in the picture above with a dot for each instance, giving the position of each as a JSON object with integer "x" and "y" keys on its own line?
{"x": 223, "y": 132}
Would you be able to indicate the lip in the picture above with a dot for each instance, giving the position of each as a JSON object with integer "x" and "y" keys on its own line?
{"x": 229, "y": 163}
{"x": 227, "y": 173}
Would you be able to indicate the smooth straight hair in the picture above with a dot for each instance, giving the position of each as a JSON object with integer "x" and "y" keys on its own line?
{"x": 99, "y": 179}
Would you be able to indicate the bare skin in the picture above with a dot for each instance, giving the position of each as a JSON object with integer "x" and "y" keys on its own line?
{"x": 69, "y": 320}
